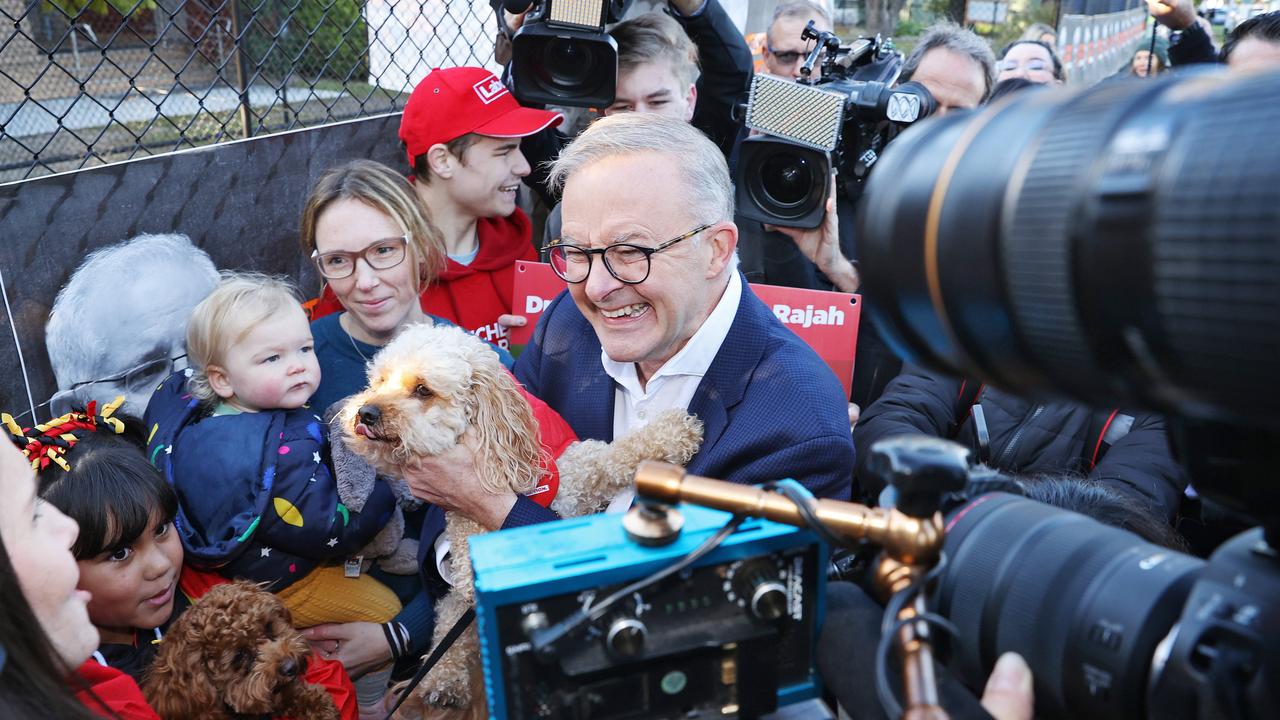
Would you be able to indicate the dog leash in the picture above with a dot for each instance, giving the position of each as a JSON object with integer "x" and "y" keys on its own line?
{"x": 445, "y": 643}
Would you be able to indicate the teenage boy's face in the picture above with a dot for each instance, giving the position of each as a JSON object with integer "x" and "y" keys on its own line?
{"x": 488, "y": 178}
{"x": 654, "y": 88}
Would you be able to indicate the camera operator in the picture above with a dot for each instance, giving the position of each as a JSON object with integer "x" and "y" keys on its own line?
{"x": 784, "y": 49}
{"x": 658, "y": 72}
{"x": 697, "y": 68}
{"x": 957, "y": 67}
{"x": 1254, "y": 43}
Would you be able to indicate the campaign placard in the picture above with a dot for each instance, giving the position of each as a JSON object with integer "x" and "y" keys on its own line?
{"x": 536, "y": 285}
{"x": 826, "y": 321}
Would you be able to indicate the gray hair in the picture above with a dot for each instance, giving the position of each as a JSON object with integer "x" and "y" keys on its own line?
{"x": 70, "y": 349}
{"x": 949, "y": 36}
{"x": 802, "y": 9}
{"x": 702, "y": 165}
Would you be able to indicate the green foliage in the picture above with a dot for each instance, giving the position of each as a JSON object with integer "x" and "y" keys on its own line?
{"x": 909, "y": 27}
{"x": 310, "y": 39}
{"x": 74, "y": 8}
{"x": 938, "y": 8}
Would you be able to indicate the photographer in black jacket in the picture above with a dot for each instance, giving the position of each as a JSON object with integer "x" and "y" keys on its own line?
{"x": 1129, "y": 453}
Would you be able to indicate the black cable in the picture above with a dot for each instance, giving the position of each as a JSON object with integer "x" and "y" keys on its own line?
{"x": 1151, "y": 52}
{"x": 436, "y": 653}
{"x": 804, "y": 503}
{"x": 889, "y": 627}
{"x": 543, "y": 641}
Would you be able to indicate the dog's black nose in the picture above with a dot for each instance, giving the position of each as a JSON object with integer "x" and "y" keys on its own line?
{"x": 370, "y": 414}
{"x": 288, "y": 668}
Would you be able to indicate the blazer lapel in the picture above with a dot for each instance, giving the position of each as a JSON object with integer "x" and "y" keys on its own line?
{"x": 726, "y": 380}
{"x": 592, "y": 402}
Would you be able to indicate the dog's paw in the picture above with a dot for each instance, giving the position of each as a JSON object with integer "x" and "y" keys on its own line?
{"x": 450, "y": 689}
{"x": 448, "y": 699}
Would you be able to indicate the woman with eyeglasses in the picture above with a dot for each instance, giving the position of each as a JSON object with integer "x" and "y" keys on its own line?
{"x": 378, "y": 253}
{"x": 1032, "y": 60}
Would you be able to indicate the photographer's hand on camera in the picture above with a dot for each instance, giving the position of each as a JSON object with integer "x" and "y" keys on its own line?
{"x": 1009, "y": 694}
{"x": 821, "y": 246}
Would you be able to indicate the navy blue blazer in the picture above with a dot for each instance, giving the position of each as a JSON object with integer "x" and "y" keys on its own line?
{"x": 771, "y": 408}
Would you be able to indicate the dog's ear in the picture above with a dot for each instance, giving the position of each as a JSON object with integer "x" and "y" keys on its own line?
{"x": 177, "y": 685}
{"x": 510, "y": 454}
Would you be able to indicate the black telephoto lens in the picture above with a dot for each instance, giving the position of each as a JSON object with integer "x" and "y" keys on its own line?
{"x": 1119, "y": 244}
{"x": 1086, "y": 604}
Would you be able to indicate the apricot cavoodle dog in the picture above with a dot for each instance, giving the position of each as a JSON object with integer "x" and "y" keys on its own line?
{"x": 434, "y": 384}
{"x": 234, "y": 654}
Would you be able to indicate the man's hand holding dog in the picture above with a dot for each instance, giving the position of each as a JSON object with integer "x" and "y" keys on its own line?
{"x": 449, "y": 481}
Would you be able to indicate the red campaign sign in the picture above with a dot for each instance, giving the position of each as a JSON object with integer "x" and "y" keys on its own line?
{"x": 536, "y": 286}
{"x": 827, "y": 321}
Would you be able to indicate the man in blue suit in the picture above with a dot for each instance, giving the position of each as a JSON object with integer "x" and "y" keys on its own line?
{"x": 657, "y": 317}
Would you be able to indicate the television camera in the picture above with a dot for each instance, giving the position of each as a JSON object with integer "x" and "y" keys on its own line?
{"x": 562, "y": 54}
{"x": 838, "y": 120}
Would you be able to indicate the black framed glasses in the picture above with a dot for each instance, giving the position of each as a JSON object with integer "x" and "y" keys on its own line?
{"x": 142, "y": 376}
{"x": 139, "y": 380}
{"x": 787, "y": 57}
{"x": 380, "y": 254}
{"x": 627, "y": 262}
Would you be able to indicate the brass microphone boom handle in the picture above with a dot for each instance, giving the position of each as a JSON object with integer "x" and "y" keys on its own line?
{"x": 909, "y": 540}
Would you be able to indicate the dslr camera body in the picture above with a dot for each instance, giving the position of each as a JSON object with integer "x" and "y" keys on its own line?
{"x": 838, "y": 122}
{"x": 562, "y": 54}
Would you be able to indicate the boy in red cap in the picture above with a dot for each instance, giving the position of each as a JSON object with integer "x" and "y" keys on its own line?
{"x": 461, "y": 129}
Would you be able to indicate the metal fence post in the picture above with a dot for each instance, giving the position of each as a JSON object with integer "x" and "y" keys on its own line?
{"x": 241, "y": 82}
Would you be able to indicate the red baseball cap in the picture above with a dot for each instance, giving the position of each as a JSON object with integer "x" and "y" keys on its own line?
{"x": 452, "y": 102}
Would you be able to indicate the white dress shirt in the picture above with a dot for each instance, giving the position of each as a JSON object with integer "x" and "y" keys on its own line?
{"x": 673, "y": 385}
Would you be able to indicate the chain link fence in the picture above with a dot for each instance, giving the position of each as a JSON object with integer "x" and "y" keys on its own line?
{"x": 87, "y": 82}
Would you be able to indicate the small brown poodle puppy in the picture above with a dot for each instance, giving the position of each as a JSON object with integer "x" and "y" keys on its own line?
{"x": 234, "y": 653}
{"x": 432, "y": 386}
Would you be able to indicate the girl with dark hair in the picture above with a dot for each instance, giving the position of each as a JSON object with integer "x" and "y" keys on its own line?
{"x": 129, "y": 555}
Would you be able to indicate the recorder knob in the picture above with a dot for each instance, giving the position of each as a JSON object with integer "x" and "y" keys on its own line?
{"x": 625, "y": 637}
{"x": 768, "y": 600}
{"x": 759, "y": 589}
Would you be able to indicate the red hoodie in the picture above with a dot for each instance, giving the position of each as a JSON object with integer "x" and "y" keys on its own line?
{"x": 474, "y": 295}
